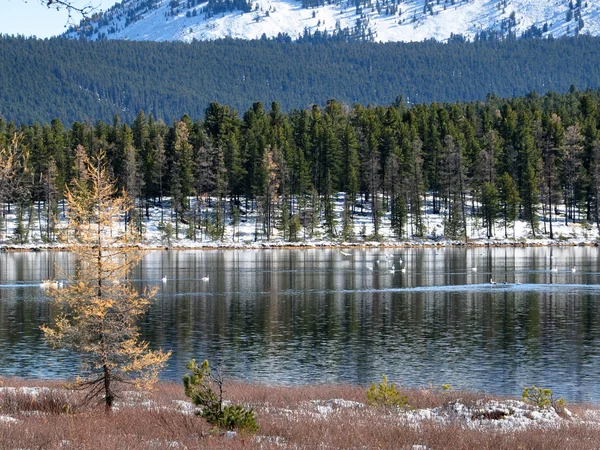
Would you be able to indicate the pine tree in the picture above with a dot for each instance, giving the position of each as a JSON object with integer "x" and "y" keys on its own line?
{"x": 181, "y": 170}
{"x": 416, "y": 187}
{"x": 98, "y": 310}
{"x": 399, "y": 214}
{"x": 528, "y": 171}
{"x": 571, "y": 155}
{"x": 351, "y": 164}
{"x": 489, "y": 206}
{"x": 347, "y": 222}
{"x": 550, "y": 144}
{"x": 508, "y": 195}
{"x": 595, "y": 174}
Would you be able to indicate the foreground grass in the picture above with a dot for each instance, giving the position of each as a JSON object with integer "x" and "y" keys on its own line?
{"x": 48, "y": 416}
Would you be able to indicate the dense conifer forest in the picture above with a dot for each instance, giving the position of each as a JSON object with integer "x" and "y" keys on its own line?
{"x": 83, "y": 81}
{"x": 498, "y": 160}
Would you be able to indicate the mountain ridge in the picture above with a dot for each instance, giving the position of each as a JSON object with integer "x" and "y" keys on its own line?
{"x": 378, "y": 20}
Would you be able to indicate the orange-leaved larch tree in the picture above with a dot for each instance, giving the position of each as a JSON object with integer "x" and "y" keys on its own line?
{"x": 98, "y": 309}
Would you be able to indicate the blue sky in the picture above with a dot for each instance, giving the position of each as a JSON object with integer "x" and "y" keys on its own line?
{"x": 31, "y": 18}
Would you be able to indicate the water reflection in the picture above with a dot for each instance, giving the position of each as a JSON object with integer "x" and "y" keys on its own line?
{"x": 315, "y": 316}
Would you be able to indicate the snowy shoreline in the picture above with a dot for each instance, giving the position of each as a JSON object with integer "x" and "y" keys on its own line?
{"x": 280, "y": 245}
{"x": 247, "y": 234}
{"x": 283, "y": 245}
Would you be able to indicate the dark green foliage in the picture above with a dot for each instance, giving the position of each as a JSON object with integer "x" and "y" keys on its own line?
{"x": 206, "y": 391}
{"x": 42, "y": 80}
{"x": 21, "y": 232}
{"x": 232, "y": 417}
{"x": 399, "y": 216}
{"x": 537, "y": 157}
{"x": 509, "y": 201}
{"x": 489, "y": 206}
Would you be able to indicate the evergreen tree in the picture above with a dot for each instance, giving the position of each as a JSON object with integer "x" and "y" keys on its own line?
{"x": 528, "y": 171}
{"x": 181, "y": 169}
{"x": 508, "y": 195}
{"x": 489, "y": 206}
{"x": 571, "y": 158}
{"x": 399, "y": 215}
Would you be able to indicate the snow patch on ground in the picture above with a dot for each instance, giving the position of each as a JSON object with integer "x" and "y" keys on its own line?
{"x": 249, "y": 234}
{"x": 8, "y": 420}
{"x": 33, "y": 392}
{"x": 483, "y": 415}
{"x": 185, "y": 407}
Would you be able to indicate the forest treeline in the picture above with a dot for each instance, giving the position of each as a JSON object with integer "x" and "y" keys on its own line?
{"x": 83, "y": 81}
{"x": 532, "y": 157}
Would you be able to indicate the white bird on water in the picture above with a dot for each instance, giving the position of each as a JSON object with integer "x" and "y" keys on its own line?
{"x": 574, "y": 269}
{"x": 474, "y": 269}
{"x": 51, "y": 284}
{"x": 345, "y": 253}
{"x": 164, "y": 279}
{"x": 205, "y": 279}
{"x": 492, "y": 282}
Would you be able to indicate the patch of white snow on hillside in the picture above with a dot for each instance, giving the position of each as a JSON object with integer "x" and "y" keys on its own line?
{"x": 410, "y": 23}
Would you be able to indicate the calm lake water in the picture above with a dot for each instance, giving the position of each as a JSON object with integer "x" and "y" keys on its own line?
{"x": 317, "y": 316}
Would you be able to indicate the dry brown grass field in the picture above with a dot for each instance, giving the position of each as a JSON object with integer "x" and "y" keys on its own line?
{"x": 36, "y": 415}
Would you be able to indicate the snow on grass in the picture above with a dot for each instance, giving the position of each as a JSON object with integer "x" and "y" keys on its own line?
{"x": 504, "y": 415}
{"x": 248, "y": 234}
{"x": 33, "y": 392}
{"x": 8, "y": 420}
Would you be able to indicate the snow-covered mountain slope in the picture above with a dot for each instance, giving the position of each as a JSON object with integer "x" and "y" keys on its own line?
{"x": 379, "y": 20}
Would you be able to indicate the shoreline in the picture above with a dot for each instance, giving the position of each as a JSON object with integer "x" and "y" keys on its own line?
{"x": 279, "y": 245}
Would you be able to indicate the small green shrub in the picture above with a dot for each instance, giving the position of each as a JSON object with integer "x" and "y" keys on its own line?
{"x": 232, "y": 417}
{"x": 385, "y": 394}
{"x": 206, "y": 391}
{"x": 542, "y": 398}
{"x": 166, "y": 232}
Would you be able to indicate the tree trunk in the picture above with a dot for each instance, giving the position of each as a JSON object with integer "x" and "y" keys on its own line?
{"x": 108, "y": 394}
{"x": 550, "y": 209}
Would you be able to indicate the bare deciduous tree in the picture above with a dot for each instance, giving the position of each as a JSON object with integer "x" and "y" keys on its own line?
{"x": 14, "y": 174}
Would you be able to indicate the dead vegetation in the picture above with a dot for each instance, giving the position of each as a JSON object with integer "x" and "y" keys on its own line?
{"x": 48, "y": 416}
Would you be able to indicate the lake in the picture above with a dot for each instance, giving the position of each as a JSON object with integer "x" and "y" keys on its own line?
{"x": 318, "y": 316}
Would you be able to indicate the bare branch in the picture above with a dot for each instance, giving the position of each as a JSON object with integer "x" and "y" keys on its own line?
{"x": 85, "y": 11}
